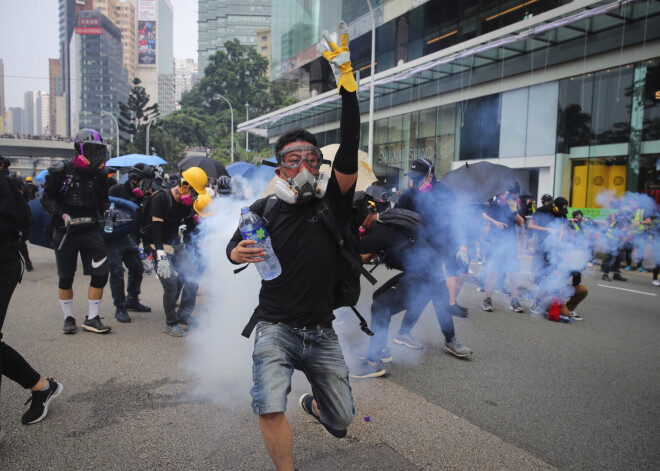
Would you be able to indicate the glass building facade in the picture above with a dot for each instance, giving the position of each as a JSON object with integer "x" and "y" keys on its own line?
{"x": 565, "y": 93}
{"x": 225, "y": 20}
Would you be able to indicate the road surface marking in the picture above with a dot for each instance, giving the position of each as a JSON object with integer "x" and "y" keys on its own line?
{"x": 631, "y": 290}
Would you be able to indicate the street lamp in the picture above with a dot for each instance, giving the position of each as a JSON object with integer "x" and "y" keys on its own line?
{"x": 371, "y": 86}
{"x": 247, "y": 107}
{"x": 148, "y": 126}
{"x": 105, "y": 113}
{"x": 215, "y": 97}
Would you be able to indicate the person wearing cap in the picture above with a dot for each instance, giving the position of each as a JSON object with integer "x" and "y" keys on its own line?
{"x": 31, "y": 190}
{"x": 436, "y": 204}
{"x": 123, "y": 249}
{"x": 171, "y": 212}
{"x": 503, "y": 214}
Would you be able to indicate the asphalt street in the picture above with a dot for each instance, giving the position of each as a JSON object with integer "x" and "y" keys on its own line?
{"x": 536, "y": 395}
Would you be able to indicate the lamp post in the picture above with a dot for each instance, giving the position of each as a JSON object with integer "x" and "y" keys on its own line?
{"x": 105, "y": 113}
{"x": 215, "y": 97}
{"x": 371, "y": 86}
{"x": 148, "y": 126}
{"x": 247, "y": 107}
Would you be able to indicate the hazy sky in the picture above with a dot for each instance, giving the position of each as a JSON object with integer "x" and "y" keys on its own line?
{"x": 30, "y": 36}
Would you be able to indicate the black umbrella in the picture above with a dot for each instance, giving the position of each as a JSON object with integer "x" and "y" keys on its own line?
{"x": 211, "y": 167}
{"x": 478, "y": 182}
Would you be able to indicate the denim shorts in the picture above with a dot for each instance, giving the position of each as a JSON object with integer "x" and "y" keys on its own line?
{"x": 280, "y": 349}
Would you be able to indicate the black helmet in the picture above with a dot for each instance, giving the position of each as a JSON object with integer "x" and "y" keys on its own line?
{"x": 224, "y": 185}
{"x": 140, "y": 171}
{"x": 546, "y": 199}
{"x": 89, "y": 144}
{"x": 4, "y": 162}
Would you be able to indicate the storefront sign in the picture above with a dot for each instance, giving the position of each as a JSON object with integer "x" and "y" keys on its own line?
{"x": 88, "y": 30}
{"x": 392, "y": 154}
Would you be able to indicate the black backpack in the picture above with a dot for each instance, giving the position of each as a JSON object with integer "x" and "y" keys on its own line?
{"x": 142, "y": 218}
{"x": 402, "y": 221}
{"x": 347, "y": 277}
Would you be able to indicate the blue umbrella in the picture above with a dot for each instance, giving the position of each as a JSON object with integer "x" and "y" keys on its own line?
{"x": 262, "y": 172}
{"x": 238, "y": 168}
{"x": 41, "y": 178}
{"x": 132, "y": 159}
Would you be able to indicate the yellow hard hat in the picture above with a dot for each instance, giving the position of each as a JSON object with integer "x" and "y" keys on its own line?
{"x": 195, "y": 177}
{"x": 28, "y": 179}
{"x": 200, "y": 205}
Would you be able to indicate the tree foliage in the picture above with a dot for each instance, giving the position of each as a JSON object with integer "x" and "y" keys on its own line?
{"x": 134, "y": 115}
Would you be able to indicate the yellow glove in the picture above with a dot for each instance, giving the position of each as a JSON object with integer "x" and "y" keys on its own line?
{"x": 339, "y": 57}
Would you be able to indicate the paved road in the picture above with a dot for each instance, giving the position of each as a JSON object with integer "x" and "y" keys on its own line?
{"x": 536, "y": 395}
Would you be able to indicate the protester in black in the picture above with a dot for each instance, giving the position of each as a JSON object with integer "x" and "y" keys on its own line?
{"x": 295, "y": 309}
{"x": 171, "y": 209}
{"x": 75, "y": 194}
{"x": 22, "y": 188}
{"x": 443, "y": 232}
{"x": 14, "y": 228}
{"x": 124, "y": 250}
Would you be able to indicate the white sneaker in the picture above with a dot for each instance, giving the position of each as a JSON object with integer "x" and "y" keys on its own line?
{"x": 575, "y": 316}
{"x": 655, "y": 283}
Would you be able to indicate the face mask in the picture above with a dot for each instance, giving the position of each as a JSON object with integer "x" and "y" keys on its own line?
{"x": 137, "y": 193}
{"x": 80, "y": 162}
{"x": 302, "y": 188}
{"x": 187, "y": 200}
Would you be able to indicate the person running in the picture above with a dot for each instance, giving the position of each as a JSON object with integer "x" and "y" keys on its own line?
{"x": 74, "y": 194}
{"x": 293, "y": 319}
{"x": 122, "y": 249}
{"x": 14, "y": 227}
{"x": 170, "y": 209}
{"x": 503, "y": 215}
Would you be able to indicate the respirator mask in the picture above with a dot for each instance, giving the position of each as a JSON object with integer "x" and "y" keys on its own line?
{"x": 93, "y": 154}
{"x": 304, "y": 186}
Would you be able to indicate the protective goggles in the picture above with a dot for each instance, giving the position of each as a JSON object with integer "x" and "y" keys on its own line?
{"x": 292, "y": 157}
{"x": 95, "y": 153}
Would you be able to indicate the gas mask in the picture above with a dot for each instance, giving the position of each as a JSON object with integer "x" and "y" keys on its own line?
{"x": 302, "y": 188}
{"x": 137, "y": 193}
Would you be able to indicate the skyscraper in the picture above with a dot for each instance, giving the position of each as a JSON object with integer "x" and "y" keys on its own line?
{"x": 185, "y": 76}
{"x": 127, "y": 24}
{"x": 155, "y": 56}
{"x": 56, "y": 90}
{"x": 2, "y": 98}
{"x": 14, "y": 121}
{"x": 224, "y": 20}
{"x": 35, "y": 118}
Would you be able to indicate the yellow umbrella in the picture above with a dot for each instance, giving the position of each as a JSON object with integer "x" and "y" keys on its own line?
{"x": 365, "y": 175}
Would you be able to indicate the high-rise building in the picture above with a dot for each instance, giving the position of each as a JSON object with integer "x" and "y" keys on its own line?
{"x": 56, "y": 90}
{"x": 185, "y": 76}
{"x": 14, "y": 121}
{"x": 156, "y": 52}
{"x": 127, "y": 23}
{"x": 224, "y": 20}
{"x": 566, "y": 92}
{"x": 2, "y": 98}
{"x": 263, "y": 45}
{"x": 99, "y": 80}
{"x": 36, "y": 120}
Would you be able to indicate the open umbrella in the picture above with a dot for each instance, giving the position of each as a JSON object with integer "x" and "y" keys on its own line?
{"x": 211, "y": 167}
{"x": 238, "y": 168}
{"x": 365, "y": 175}
{"x": 132, "y": 159}
{"x": 41, "y": 177}
{"x": 476, "y": 183}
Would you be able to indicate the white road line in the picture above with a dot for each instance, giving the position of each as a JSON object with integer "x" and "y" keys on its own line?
{"x": 631, "y": 290}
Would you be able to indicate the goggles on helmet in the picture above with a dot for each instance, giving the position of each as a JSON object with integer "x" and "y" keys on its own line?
{"x": 292, "y": 157}
{"x": 95, "y": 153}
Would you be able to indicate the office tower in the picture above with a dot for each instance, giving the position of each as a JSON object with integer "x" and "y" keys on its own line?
{"x": 185, "y": 76}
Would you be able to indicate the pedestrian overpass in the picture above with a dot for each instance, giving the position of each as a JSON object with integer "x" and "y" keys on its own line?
{"x": 30, "y": 156}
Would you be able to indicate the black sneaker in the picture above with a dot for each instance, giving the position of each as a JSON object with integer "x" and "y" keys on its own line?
{"x": 456, "y": 311}
{"x": 365, "y": 370}
{"x": 28, "y": 266}
{"x": 40, "y": 402}
{"x": 606, "y": 277}
{"x": 95, "y": 325}
{"x": 488, "y": 305}
{"x": 121, "y": 315}
{"x": 133, "y": 304}
{"x": 618, "y": 277}
{"x": 69, "y": 326}
{"x": 305, "y": 402}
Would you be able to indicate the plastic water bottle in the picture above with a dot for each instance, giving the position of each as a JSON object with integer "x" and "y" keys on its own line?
{"x": 108, "y": 222}
{"x": 147, "y": 262}
{"x": 252, "y": 227}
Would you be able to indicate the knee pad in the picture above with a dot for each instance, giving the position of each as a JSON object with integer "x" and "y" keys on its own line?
{"x": 99, "y": 281}
{"x": 65, "y": 283}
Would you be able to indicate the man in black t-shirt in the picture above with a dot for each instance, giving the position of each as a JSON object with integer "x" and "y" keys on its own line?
{"x": 124, "y": 250}
{"x": 294, "y": 315}
{"x": 169, "y": 210}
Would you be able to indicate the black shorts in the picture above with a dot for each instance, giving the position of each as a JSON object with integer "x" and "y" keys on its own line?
{"x": 93, "y": 253}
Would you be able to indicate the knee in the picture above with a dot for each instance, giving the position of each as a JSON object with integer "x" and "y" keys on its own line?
{"x": 99, "y": 281}
{"x": 65, "y": 283}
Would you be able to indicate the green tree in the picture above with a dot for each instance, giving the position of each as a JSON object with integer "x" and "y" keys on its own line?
{"x": 134, "y": 115}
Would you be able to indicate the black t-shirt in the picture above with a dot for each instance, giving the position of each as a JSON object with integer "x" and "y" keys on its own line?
{"x": 303, "y": 294}
{"x": 173, "y": 214}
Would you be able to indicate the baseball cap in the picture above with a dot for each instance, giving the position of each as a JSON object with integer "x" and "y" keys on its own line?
{"x": 420, "y": 168}
{"x": 561, "y": 205}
